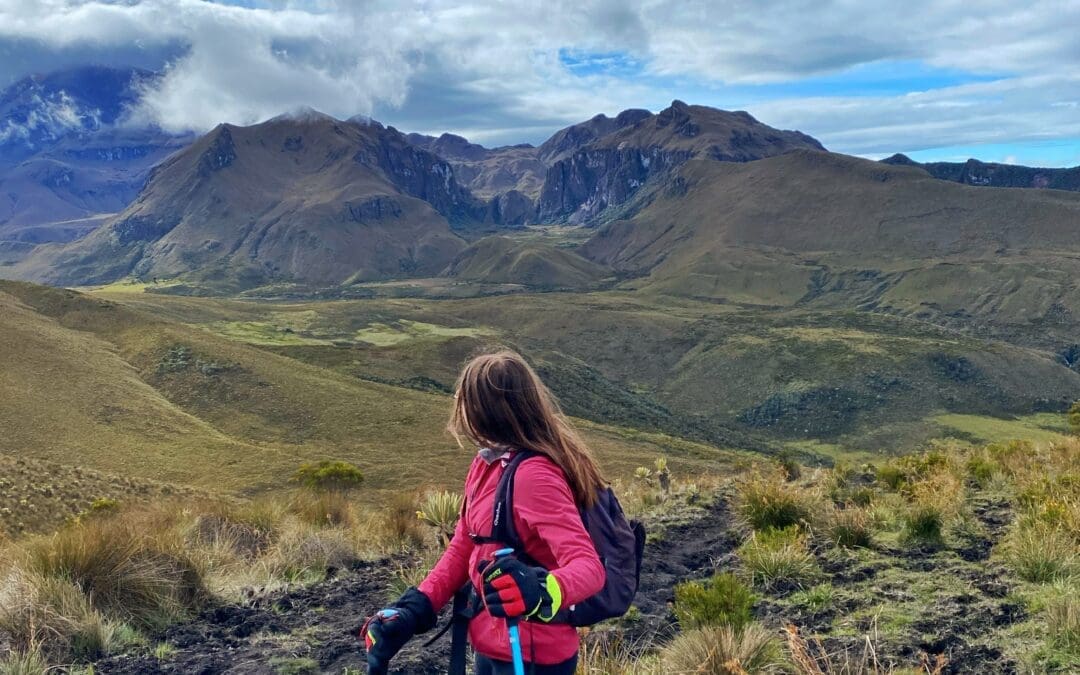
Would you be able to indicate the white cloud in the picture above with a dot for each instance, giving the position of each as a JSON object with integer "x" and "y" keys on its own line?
{"x": 492, "y": 70}
{"x": 49, "y": 118}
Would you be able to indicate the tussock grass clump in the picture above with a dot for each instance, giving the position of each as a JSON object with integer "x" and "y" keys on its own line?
{"x": 1042, "y": 553}
{"x": 778, "y": 559}
{"x": 819, "y": 597}
{"x": 723, "y": 600}
{"x": 723, "y": 650}
{"x": 1063, "y": 622}
{"x": 769, "y": 502}
{"x": 983, "y": 470}
{"x": 810, "y": 657}
{"x": 24, "y": 663}
{"x": 610, "y": 653}
{"x": 322, "y": 509}
{"x": 892, "y": 476}
{"x": 136, "y": 577}
{"x": 935, "y": 501}
{"x": 850, "y": 527}
{"x": 403, "y": 528}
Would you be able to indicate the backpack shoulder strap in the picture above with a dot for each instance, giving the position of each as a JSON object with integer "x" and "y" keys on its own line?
{"x": 502, "y": 522}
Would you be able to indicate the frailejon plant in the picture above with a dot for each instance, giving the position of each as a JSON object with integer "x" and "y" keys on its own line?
{"x": 441, "y": 510}
{"x": 663, "y": 475}
{"x": 723, "y": 600}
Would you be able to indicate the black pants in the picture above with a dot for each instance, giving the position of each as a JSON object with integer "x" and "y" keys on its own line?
{"x": 486, "y": 666}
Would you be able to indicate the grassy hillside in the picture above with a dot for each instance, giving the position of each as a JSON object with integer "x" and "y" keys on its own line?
{"x": 532, "y": 264}
{"x": 95, "y": 384}
{"x": 752, "y": 377}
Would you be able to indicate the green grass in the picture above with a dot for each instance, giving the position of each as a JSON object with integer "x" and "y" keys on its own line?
{"x": 131, "y": 285}
{"x": 263, "y": 333}
{"x": 386, "y": 335}
{"x": 1042, "y": 427}
{"x": 653, "y": 363}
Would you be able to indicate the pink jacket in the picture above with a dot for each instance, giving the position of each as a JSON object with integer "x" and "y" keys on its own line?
{"x": 546, "y": 519}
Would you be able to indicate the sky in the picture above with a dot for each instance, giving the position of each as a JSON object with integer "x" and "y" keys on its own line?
{"x": 942, "y": 80}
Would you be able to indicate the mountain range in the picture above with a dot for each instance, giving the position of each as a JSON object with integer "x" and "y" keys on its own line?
{"x": 690, "y": 201}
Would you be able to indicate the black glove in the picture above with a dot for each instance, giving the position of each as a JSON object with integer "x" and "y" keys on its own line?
{"x": 386, "y": 632}
{"x": 513, "y": 589}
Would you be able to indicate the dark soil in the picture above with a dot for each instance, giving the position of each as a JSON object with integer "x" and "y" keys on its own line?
{"x": 951, "y": 601}
{"x": 313, "y": 629}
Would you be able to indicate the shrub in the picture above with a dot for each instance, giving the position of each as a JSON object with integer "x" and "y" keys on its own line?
{"x": 104, "y": 505}
{"x": 778, "y": 559}
{"x": 850, "y": 527}
{"x": 768, "y": 502}
{"x": 721, "y": 601}
{"x": 329, "y": 475}
{"x": 1042, "y": 553}
{"x": 724, "y": 651}
{"x": 1074, "y": 418}
{"x": 441, "y": 510}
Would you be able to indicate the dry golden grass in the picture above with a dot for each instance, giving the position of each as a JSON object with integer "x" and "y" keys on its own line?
{"x": 809, "y": 657}
{"x": 724, "y": 651}
{"x": 77, "y": 594}
{"x": 768, "y": 501}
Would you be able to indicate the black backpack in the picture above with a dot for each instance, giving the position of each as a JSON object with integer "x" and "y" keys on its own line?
{"x": 619, "y": 542}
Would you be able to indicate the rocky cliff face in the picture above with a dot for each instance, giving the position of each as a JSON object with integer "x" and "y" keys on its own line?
{"x": 571, "y": 139}
{"x": 421, "y": 174}
{"x": 611, "y": 170}
{"x": 989, "y": 174}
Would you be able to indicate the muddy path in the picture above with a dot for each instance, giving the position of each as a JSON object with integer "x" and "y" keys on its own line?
{"x": 952, "y": 601}
{"x": 313, "y": 629}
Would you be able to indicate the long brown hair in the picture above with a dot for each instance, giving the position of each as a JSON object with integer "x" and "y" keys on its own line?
{"x": 500, "y": 402}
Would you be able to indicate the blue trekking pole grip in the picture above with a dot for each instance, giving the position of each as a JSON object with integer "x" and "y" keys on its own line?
{"x": 512, "y": 627}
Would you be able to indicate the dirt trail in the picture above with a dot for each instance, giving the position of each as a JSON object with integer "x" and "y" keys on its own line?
{"x": 964, "y": 602}
{"x": 313, "y": 629}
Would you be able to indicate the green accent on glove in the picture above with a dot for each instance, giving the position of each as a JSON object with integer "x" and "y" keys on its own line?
{"x": 552, "y": 599}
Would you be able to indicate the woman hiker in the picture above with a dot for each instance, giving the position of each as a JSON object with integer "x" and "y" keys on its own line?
{"x": 502, "y": 407}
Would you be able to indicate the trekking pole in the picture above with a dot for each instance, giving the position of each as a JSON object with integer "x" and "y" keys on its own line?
{"x": 512, "y": 627}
